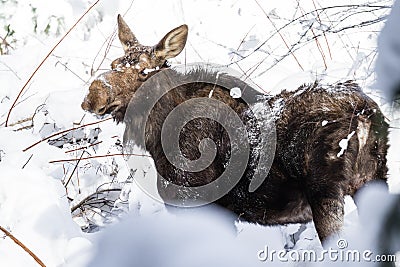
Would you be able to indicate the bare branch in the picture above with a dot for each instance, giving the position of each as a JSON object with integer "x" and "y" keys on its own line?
{"x": 73, "y": 171}
{"x": 332, "y": 29}
{"x": 98, "y": 156}
{"x": 19, "y": 243}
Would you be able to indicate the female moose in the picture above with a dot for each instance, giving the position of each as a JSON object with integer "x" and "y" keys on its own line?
{"x": 331, "y": 140}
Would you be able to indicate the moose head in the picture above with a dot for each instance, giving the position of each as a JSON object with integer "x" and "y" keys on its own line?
{"x": 112, "y": 90}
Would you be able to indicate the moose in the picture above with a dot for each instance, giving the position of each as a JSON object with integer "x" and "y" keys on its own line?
{"x": 331, "y": 139}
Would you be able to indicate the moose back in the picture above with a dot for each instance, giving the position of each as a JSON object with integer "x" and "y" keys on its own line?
{"x": 331, "y": 139}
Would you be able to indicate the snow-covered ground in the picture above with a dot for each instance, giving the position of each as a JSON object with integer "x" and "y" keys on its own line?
{"x": 39, "y": 186}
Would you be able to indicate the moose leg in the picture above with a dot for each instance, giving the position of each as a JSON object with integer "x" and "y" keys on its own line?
{"x": 327, "y": 179}
{"x": 328, "y": 212}
{"x": 325, "y": 195}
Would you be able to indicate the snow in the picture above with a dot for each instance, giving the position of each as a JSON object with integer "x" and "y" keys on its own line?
{"x": 236, "y": 92}
{"x": 344, "y": 143}
{"x": 35, "y": 198}
{"x": 199, "y": 237}
{"x": 277, "y": 107}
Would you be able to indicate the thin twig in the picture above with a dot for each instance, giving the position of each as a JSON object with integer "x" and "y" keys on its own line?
{"x": 242, "y": 42}
{"x": 109, "y": 40}
{"x": 10, "y": 69}
{"x": 92, "y": 195}
{"x": 46, "y": 57}
{"x": 280, "y": 34}
{"x": 98, "y": 156}
{"x": 319, "y": 46}
{"x": 22, "y": 121}
{"x": 320, "y": 22}
{"x": 197, "y": 53}
{"x": 26, "y": 163}
{"x": 19, "y": 243}
{"x": 66, "y": 67}
{"x": 73, "y": 171}
{"x": 85, "y": 147}
{"x": 63, "y": 132}
{"x": 28, "y": 119}
{"x": 247, "y": 76}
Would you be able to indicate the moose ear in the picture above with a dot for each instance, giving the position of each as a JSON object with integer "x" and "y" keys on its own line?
{"x": 173, "y": 43}
{"x": 125, "y": 35}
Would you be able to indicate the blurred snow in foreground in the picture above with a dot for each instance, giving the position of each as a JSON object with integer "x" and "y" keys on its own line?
{"x": 388, "y": 62}
{"x": 206, "y": 237}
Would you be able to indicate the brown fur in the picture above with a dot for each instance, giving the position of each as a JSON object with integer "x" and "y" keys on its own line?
{"x": 310, "y": 175}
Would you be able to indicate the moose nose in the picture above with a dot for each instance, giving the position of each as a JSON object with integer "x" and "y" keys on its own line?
{"x": 101, "y": 110}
